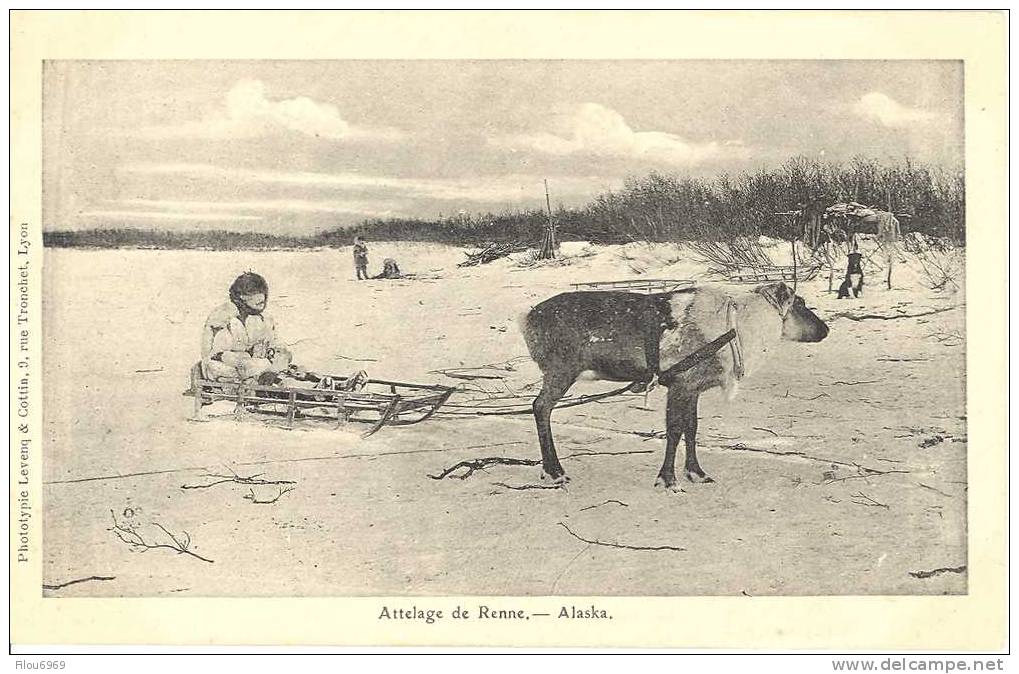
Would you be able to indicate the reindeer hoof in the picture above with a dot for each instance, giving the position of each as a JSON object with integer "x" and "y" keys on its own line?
{"x": 697, "y": 477}
{"x": 669, "y": 484}
{"x": 561, "y": 479}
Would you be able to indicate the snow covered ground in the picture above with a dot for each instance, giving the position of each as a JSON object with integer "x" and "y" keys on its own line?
{"x": 795, "y": 509}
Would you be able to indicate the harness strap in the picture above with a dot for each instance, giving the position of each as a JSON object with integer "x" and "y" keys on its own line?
{"x": 736, "y": 344}
{"x": 781, "y": 312}
{"x": 701, "y": 354}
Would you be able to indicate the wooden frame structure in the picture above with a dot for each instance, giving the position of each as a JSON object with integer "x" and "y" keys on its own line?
{"x": 771, "y": 274}
{"x": 380, "y": 403}
{"x": 651, "y": 285}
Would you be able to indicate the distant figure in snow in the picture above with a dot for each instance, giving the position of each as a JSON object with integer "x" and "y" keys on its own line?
{"x": 239, "y": 340}
{"x": 389, "y": 269}
{"x": 810, "y": 214}
{"x": 360, "y": 258}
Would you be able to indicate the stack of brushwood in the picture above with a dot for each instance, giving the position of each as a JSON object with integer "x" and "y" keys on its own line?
{"x": 726, "y": 255}
{"x": 492, "y": 251}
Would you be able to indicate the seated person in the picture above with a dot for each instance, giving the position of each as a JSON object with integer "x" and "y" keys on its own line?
{"x": 389, "y": 269}
{"x": 239, "y": 341}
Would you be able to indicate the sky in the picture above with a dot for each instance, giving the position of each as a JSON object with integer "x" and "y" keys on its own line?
{"x": 295, "y": 147}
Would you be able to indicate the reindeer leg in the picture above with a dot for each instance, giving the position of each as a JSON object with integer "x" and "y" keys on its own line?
{"x": 553, "y": 388}
{"x": 675, "y": 424}
{"x": 693, "y": 469}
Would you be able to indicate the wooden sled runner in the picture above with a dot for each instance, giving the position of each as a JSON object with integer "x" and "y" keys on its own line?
{"x": 651, "y": 285}
{"x": 379, "y": 403}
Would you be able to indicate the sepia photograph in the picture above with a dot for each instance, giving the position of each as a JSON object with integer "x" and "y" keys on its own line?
{"x": 538, "y": 333}
{"x": 418, "y": 328}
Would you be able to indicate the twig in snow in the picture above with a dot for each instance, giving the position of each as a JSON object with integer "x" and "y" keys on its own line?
{"x": 622, "y": 546}
{"x": 948, "y": 338}
{"x": 740, "y": 447}
{"x": 869, "y": 317}
{"x": 456, "y": 374}
{"x": 600, "y": 438}
{"x": 76, "y": 580}
{"x": 936, "y": 491}
{"x": 568, "y": 564}
{"x": 902, "y": 360}
{"x": 523, "y": 487}
{"x": 937, "y": 572}
{"x": 870, "y": 472}
{"x": 648, "y": 435}
{"x": 577, "y": 455}
{"x": 859, "y": 498}
{"x": 599, "y": 505}
{"x": 472, "y": 465}
{"x": 128, "y": 534}
{"x": 820, "y": 395}
{"x": 236, "y": 479}
{"x": 282, "y": 490}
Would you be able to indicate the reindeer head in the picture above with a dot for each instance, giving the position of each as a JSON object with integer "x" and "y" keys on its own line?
{"x": 799, "y": 324}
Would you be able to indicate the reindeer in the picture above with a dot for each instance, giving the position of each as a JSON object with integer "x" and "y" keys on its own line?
{"x": 691, "y": 340}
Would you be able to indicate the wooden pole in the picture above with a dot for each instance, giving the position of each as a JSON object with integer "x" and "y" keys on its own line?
{"x": 551, "y": 222}
{"x": 196, "y": 386}
{"x": 548, "y": 203}
{"x": 890, "y": 249}
{"x": 548, "y": 244}
{"x": 829, "y": 253}
{"x": 795, "y": 279}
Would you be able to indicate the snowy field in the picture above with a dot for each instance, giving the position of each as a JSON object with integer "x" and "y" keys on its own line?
{"x": 840, "y": 466}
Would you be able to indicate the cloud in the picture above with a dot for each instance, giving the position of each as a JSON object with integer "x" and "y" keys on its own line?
{"x": 513, "y": 187}
{"x": 247, "y": 103}
{"x": 594, "y": 129}
{"x": 889, "y": 112}
{"x": 248, "y": 112}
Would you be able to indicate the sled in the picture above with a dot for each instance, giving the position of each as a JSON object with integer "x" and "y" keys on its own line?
{"x": 378, "y": 403}
{"x": 771, "y": 274}
{"x": 651, "y": 285}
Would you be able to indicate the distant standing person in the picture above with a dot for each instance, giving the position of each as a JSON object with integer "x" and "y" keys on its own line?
{"x": 360, "y": 258}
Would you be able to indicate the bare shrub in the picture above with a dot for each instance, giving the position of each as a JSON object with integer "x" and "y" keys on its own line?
{"x": 941, "y": 261}
{"x": 739, "y": 252}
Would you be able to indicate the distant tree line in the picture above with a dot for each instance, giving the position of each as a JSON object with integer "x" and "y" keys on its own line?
{"x": 669, "y": 208}
{"x": 157, "y": 238}
{"x": 655, "y": 207}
